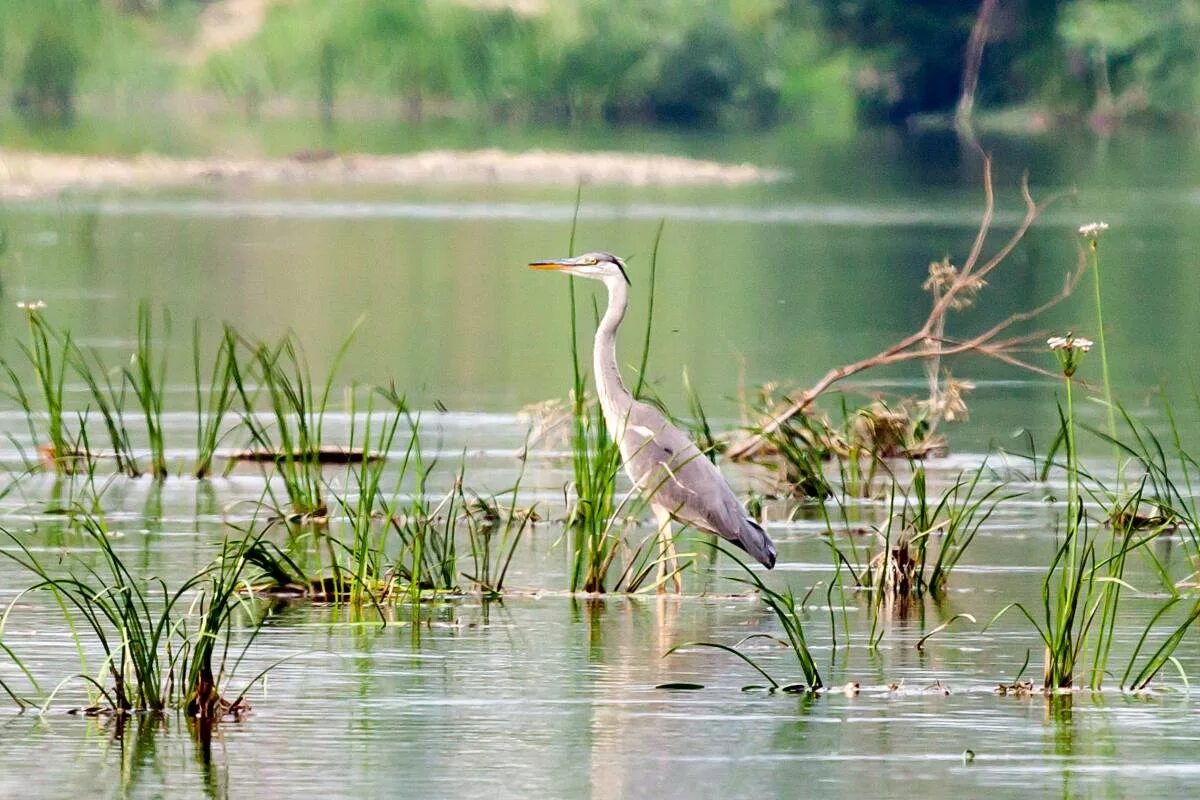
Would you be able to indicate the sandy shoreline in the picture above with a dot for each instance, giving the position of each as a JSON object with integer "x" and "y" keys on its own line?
{"x": 25, "y": 174}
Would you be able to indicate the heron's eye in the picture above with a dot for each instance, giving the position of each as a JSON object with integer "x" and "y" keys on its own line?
{"x": 592, "y": 262}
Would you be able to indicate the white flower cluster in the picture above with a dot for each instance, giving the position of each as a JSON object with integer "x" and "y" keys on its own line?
{"x": 1069, "y": 343}
{"x": 1069, "y": 351}
{"x": 33, "y": 305}
{"x": 1093, "y": 230}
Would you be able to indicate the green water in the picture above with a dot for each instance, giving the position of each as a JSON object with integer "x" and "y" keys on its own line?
{"x": 548, "y": 696}
{"x": 776, "y": 282}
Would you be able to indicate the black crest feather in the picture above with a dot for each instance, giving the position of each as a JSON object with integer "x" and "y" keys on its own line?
{"x": 620, "y": 265}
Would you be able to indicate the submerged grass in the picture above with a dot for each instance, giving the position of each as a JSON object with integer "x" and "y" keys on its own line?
{"x": 147, "y": 376}
{"x": 46, "y": 353}
{"x": 1082, "y": 587}
{"x": 1069, "y": 583}
{"x": 214, "y": 403}
{"x": 913, "y": 552}
{"x": 291, "y": 437}
{"x": 906, "y": 565}
{"x": 1170, "y": 476}
{"x": 494, "y": 531}
{"x": 787, "y": 611}
{"x": 596, "y": 462}
{"x": 161, "y": 648}
{"x": 401, "y": 544}
{"x": 367, "y": 546}
{"x": 52, "y": 354}
{"x": 427, "y": 563}
{"x": 109, "y": 399}
{"x": 1163, "y": 500}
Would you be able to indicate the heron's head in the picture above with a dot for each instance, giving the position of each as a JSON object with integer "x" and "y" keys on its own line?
{"x": 599, "y": 266}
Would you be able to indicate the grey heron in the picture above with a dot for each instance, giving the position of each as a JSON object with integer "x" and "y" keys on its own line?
{"x": 661, "y": 460}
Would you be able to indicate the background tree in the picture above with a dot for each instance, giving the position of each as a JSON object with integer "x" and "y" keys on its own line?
{"x": 914, "y": 51}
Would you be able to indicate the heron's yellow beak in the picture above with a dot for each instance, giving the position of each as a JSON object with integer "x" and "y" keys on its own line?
{"x": 551, "y": 265}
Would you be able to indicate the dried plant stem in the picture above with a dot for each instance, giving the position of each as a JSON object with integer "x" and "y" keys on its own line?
{"x": 929, "y": 341}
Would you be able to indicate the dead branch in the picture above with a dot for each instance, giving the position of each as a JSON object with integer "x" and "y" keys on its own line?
{"x": 929, "y": 343}
{"x": 970, "y": 76}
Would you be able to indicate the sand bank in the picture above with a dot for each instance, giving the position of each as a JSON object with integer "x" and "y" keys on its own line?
{"x": 24, "y": 174}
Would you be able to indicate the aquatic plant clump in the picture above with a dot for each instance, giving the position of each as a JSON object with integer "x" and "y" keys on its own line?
{"x": 788, "y": 612}
{"x": 162, "y": 648}
{"x": 905, "y": 565}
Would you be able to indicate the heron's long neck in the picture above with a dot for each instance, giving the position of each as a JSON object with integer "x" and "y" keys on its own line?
{"x": 615, "y": 399}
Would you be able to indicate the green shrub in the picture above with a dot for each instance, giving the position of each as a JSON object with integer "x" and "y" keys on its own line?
{"x": 49, "y": 75}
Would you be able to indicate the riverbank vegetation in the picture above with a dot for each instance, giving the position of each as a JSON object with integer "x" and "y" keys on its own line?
{"x": 629, "y": 62}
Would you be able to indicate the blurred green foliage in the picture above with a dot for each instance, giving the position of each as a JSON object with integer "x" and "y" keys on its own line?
{"x": 706, "y": 63}
{"x": 48, "y": 76}
{"x": 53, "y": 50}
{"x": 914, "y": 50}
{"x": 622, "y": 60}
{"x": 1134, "y": 58}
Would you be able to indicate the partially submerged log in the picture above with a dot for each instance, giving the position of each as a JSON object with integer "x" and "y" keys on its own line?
{"x": 322, "y": 455}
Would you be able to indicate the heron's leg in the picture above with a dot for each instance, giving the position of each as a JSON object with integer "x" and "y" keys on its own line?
{"x": 673, "y": 564}
{"x": 668, "y": 562}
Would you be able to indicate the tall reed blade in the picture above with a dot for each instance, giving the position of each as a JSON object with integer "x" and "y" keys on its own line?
{"x": 109, "y": 399}
{"x": 147, "y": 375}
{"x": 787, "y": 611}
{"x": 213, "y": 404}
{"x": 46, "y": 354}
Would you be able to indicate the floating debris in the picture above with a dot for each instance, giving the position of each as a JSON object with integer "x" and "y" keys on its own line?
{"x": 1145, "y": 517}
{"x": 1018, "y": 688}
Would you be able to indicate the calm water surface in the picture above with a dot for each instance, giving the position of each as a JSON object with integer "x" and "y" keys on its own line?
{"x": 551, "y": 696}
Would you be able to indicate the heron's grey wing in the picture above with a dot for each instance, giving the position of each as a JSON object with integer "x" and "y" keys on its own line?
{"x": 668, "y": 467}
